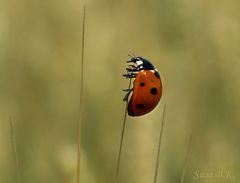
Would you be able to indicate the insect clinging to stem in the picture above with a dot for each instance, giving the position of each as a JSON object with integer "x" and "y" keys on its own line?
{"x": 147, "y": 86}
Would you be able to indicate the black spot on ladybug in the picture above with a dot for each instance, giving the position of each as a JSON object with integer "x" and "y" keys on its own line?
{"x": 153, "y": 91}
{"x": 142, "y": 84}
{"x": 140, "y": 106}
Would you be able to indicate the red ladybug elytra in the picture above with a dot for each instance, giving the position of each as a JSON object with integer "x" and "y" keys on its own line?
{"x": 147, "y": 87}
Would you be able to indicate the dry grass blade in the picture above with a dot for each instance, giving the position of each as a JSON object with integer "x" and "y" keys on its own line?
{"x": 159, "y": 145}
{"x": 13, "y": 141}
{"x": 186, "y": 160}
{"x": 121, "y": 139}
{"x": 81, "y": 100}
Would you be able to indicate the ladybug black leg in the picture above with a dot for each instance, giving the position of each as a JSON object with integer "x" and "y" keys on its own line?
{"x": 132, "y": 69}
{"x": 129, "y": 61}
{"x": 127, "y": 95}
{"x": 133, "y": 66}
{"x": 129, "y": 75}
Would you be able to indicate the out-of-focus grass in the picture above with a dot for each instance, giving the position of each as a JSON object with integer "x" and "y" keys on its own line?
{"x": 194, "y": 45}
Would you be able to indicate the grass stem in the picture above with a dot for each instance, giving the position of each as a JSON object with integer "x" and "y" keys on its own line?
{"x": 159, "y": 145}
{"x": 79, "y": 125}
{"x": 186, "y": 160}
{"x": 15, "y": 154}
{"x": 122, "y": 136}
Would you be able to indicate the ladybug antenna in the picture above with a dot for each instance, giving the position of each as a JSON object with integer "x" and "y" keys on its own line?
{"x": 132, "y": 55}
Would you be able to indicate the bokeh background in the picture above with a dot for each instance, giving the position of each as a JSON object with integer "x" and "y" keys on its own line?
{"x": 194, "y": 44}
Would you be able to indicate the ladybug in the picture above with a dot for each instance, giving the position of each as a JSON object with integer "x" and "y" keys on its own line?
{"x": 147, "y": 86}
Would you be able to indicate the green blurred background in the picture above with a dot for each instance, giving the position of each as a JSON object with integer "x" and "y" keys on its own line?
{"x": 194, "y": 44}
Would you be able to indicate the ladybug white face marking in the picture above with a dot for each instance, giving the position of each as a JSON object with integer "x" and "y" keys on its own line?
{"x": 139, "y": 62}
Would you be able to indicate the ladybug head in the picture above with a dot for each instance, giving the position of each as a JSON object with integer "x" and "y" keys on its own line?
{"x": 142, "y": 63}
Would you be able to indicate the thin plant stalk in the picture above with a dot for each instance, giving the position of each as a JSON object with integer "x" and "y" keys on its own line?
{"x": 15, "y": 154}
{"x": 79, "y": 125}
{"x": 122, "y": 136}
{"x": 159, "y": 145}
{"x": 186, "y": 160}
